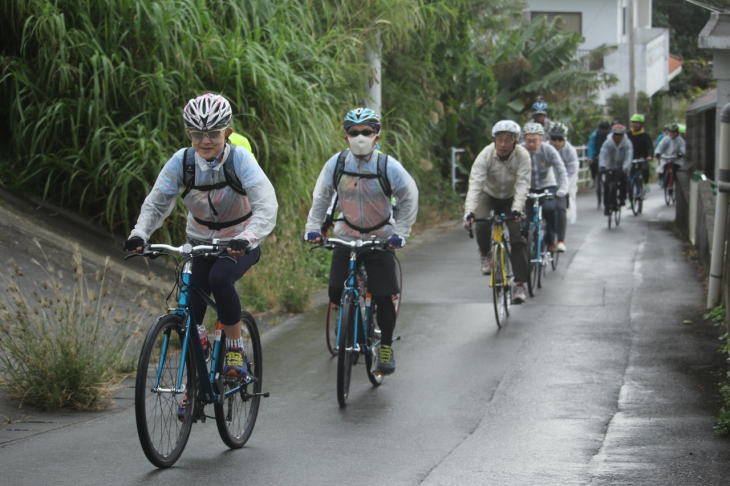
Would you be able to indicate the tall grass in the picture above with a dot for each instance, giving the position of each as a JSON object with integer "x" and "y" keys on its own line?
{"x": 67, "y": 344}
{"x": 92, "y": 94}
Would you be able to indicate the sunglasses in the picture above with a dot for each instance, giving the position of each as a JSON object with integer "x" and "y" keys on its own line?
{"x": 212, "y": 135}
{"x": 354, "y": 133}
{"x": 557, "y": 139}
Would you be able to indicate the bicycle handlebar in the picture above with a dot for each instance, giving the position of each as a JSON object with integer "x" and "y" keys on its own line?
{"x": 332, "y": 243}
{"x": 540, "y": 195}
{"x": 496, "y": 218}
{"x": 186, "y": 250}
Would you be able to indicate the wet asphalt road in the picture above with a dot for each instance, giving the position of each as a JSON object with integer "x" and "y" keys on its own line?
{"x": 594, "y": 381}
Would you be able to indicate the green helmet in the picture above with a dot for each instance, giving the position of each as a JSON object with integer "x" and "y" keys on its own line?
{"x": 638, "y": 117}
{"x": 667, "y": 126}
{"x": 673, "y": 127}
{"x": 682, "y": 128}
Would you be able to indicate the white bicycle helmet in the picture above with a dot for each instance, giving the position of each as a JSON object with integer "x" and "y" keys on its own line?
{"x": 533, "y": 128}
{"x": 207, "y": 112}
{"x": 506, "y": 126}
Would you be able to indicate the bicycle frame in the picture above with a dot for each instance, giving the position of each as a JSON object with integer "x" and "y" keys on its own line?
{"x": 183, "y": 310}
{"x": 537, "y": 222}
{"x": 351, "y": 287}
{"x": 498, "y": 240}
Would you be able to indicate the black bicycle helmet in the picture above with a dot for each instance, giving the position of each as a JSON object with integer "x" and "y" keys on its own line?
{"x": 604, "y": 124}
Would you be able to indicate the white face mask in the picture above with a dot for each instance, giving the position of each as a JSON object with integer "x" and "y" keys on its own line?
{"x": 361, "y": 145}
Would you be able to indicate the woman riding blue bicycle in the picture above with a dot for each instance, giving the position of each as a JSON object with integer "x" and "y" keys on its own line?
{"x": 365, "y": 180}
{"x": 229, "y": 198}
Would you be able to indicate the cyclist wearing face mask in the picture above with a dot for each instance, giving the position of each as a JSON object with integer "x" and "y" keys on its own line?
{"x": 365, "y": 180}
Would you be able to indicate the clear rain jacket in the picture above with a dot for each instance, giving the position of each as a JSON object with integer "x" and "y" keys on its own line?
{"x": 260, "y": 199}
{"x": 362, "y": 201}
{"x": 501, "y": 180}
{"x": 572, "y": 164}
{"x": 672, "y": 148}
{"x": 546, "y": 165}
{"x": 616, "y": 157}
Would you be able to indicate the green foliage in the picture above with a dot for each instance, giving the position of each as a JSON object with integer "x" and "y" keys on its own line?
{"x": 685, "y": 22}
{"x": 717, "y": 315}
{"x": 65, "y": 347}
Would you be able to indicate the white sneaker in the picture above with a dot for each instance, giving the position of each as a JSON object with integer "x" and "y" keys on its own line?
{"x": 486, "y": 264}
{"x": 519, "y": 293}
{"x": 561, "y": 247}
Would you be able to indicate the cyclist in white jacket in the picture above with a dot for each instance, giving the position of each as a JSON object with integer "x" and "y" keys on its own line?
{"x": 228, "y": 197}
{"x": 499, "y": 180}
{"x": 566, "y": 207}
{"x": 616, "y": 154}
{"x": 365, "y": 180}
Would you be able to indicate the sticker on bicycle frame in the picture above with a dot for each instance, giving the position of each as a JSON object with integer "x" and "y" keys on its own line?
{"x": 367, "y": 301}
{"x": 218, "y": 334}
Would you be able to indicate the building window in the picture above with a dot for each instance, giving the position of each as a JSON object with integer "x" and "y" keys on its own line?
{"x": 572, "y": 21}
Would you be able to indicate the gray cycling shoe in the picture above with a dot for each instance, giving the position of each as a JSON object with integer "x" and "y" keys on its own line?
{"x": 386, "y": 361}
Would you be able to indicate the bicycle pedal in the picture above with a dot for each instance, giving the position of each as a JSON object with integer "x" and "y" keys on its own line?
{"x": 397, "y": 338}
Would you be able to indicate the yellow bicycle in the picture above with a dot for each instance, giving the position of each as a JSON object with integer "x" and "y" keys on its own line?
{"x": 501, "y": 278}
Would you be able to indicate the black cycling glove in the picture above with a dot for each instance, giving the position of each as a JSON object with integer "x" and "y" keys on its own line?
{"x": 133, "y": 243}
{"x": 239, "y": 245}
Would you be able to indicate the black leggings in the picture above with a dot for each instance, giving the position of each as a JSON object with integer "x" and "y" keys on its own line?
{"x": 219, "y": 277}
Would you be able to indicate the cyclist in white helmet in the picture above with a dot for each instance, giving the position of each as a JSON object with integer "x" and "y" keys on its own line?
{"x": 566, "y": 207}
{"x": 365, "y": 180}
{"x": 228, "y": 197}
{"x": 499, "y": 180}
{"x": 548, "y": 174}
{"x": 539, "y": 113}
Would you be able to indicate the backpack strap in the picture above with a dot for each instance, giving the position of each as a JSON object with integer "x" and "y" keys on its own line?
{"x": 329, "y": 218}
{"x": 188, "y": 171}
{"x": 383, "y": 174}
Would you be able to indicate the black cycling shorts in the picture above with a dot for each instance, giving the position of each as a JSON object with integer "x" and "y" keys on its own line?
{"x": 379, "y": 265}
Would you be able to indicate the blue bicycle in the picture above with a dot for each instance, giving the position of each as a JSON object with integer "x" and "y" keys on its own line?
{"x": 174, "y": 382}
{"x": 538, "y": 253}
{"x": 357, "y": 329}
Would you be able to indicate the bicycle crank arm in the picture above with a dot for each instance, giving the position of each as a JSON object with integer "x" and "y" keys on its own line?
{"x": 251, "y": 395}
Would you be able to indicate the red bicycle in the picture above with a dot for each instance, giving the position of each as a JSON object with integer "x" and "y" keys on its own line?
{"x": 669, "y": 195}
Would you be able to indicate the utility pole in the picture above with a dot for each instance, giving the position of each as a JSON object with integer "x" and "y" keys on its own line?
{"x": 632, "y": 58}
{"x": 373, "y": 97}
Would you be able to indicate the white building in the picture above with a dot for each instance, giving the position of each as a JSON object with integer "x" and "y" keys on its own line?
{"x": 605, "y": 23}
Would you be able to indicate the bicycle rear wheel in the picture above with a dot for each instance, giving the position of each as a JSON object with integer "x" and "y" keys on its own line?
{"x": 500, "y": 311}
{"x": 345, "y": 351}
{"x": 533, "y": 259}
{"x": 555, "y": 255}
{"x": 636, "y": 195}
{"x": 330, "y": 328}
{"x": 236, "y": 416}
{"x": 371, "y": 356}
{"x": 162, "y": 434}
{"x": 599, "y": 189}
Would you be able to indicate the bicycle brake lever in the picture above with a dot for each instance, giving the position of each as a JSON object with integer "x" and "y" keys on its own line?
{"x": 132, "y": 255}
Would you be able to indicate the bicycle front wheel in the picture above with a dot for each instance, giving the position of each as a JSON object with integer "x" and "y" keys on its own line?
{"x": 163, "y": 425}
{"x": 345, "y": 351}
{"x": 617, "y": 216}
{"x": 599, "y": 184}
{"x": 532, "y": 258}
{"x": 399, "y": 276}
{"x": 500, "y": 309}
{"x": 667, "y": 195}
{"x": 554, "y": 260}
{"x": 236, "y": 416}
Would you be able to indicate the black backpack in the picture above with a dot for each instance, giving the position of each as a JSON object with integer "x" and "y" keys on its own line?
{"x": 232, "y": 180}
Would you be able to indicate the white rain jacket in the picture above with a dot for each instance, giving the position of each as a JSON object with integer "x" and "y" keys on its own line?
{"x": 614, "y": 157}
{"x": 572, "y": 164}
{"x": 501, "y": 180}
{"x": 546, "y": 165}
{"x": 362, "y": 201}
{"x": 260, "y": 200}
{"x": 672, "y": 148}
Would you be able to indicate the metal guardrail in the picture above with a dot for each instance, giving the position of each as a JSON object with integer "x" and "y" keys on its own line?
{"x": 584, "y": 171}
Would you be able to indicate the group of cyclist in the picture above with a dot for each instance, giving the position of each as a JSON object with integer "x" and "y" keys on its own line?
{"x": 229, "y": 198}
{"x": 503, "y": 175}
{"x": 616, "y": 153}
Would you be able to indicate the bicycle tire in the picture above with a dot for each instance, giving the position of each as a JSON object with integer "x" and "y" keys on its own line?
{"x": 399, "y": 276}
{"x": 533, "y": 260}
{"x": 345, "y": 351}
{"x": 635, "y": 195}
{"x": 667, "y": 195}
{"x": 236, "y": 416}
{"x": 330, "y": 329}
{"x": 372, "y": 356}
{"x": 508, "y": 287}
{"x": 162, "y": 435}
{"x": 617, "y": 216}
{"x": 610, "y": 218}
{"x": 599, "y": 190}
{"x": 554, "y": 259}
{"x": 498, "y": 286}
